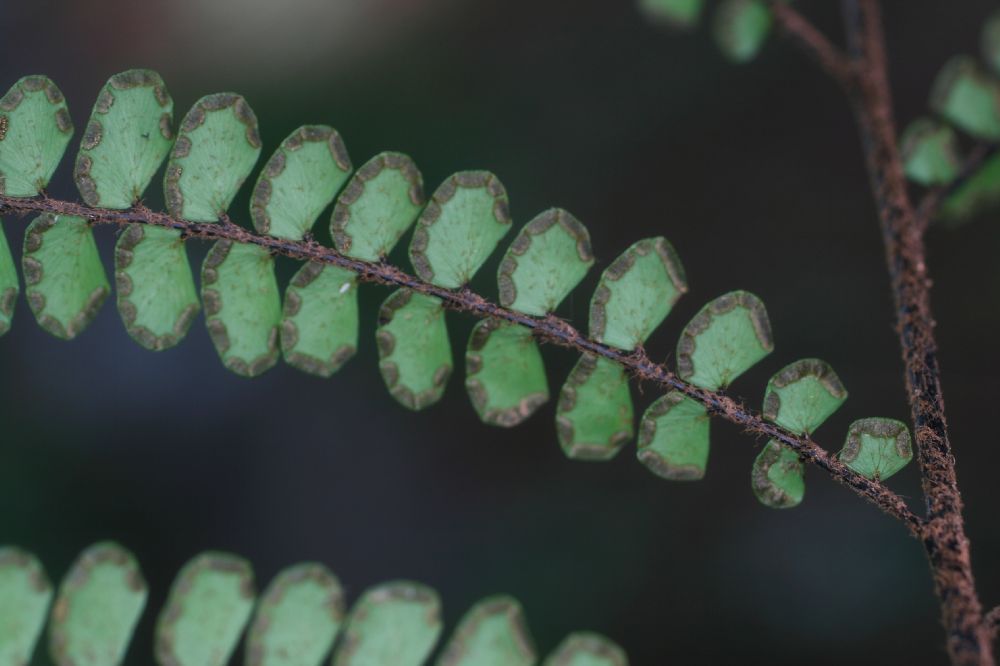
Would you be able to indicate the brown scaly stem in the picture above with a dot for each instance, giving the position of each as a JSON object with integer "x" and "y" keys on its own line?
{"x": 944, "y": 539}
{"x": 547, "y": 329}
{"x": 798, "y": 29}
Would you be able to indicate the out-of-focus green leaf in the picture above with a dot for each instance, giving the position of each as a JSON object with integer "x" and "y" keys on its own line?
{"x": 297, "y": 618}
{"x": 99, "y": 603}
{"x": 319, "y": 331}
{"x": 545, "y": 262}
{"x": 209, "y": 604}
{"x": 877, "y": 448}
{"x": 9, "y": 285}
{"x": 299, "y": 181}
{"x": 990, "y": 42}
{"x": 242, "y": 306}
{"x": 155, "y": 288}
{"x": 636, "y": 293}
{"x": 413, "y": 348}
{"x": 492, "y": 633}
{"x": 35, "y": 129}
{"x": 127, "y": 138}
{"x": 968, "y": 97}
{"x": 505, "y": 376}
{"x": 802, "y": 395}
{"x": 726, "y": 338}
{"x": 458, "y": 230}
{"x": 594, "y": 417}
{"x": 777, "y": 477}
{"x": 741, "y": 27}
{"x": 675, "y": 13}
{"x": 25, "y": 593}
{"x": 65, "y": 279}
{"x": 378, "y": 205}
{"x": 216, "y": 148}
{"x": 673, "y": 438}
{"x": 930, "y": 152}
{"x": 980, "y": 193}
{"x": 587, "y": 649}
{"x": 394, "y": 623}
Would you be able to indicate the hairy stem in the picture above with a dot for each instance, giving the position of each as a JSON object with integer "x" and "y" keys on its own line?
{"x": 795, "y": 26}
{"x": 550, "y": 329}
{"x": 944, "y": 539}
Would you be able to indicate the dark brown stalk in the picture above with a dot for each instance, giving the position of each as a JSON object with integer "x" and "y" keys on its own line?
{"x": 547, "y": 329}
{"x": 944, "y": 539}
{"x": 798, "y": 29}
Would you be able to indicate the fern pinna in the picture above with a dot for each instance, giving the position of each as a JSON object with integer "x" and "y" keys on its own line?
{"x": 313, "y": 324}
{"x": 294, "y": 622}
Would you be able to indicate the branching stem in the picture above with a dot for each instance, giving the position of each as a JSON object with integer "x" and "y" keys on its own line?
{"x": 944, "y": 538}
{"x": 550, "y": 329}
{"x": 797, "y": 28}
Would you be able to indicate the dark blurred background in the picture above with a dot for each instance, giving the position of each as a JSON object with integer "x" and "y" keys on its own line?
{"x": 754, "y": 173}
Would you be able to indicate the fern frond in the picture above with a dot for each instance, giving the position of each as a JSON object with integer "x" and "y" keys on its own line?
{"x": 300, "y": 616}
{"x": 314, "y": 324}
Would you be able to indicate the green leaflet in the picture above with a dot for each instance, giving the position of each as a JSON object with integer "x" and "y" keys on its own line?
{"x": 126, "y": 140}
{"x": 458, "y": 230}
{"x": 968, "y": 98}
{"x": 990, "y": 42}
{"x": 156, "y": 293}
{"x": 675, "y": 13}
{"x": 35, "y": 129}
{"x": 242, "y": 306}
{"x": 979, "y": 193}
{"x": 25, "y": 593}
{"x": 741, "y": 28}
{"x": 299, "y": 181}
{"x": 587, "y": 649}
{"x": 877, "y": 448}
{"x": 394, "y": 623}
{"x": 413, "y": 348}
{"x": 100, "y": 601}
{"x": 594, "y": 417}
{"x": 209, "y": 604}
{"x": 296, "y": 621}
{"x": 726, "y": 338}
{"x": 64, "y": 276}
{"x": 297, "y": 618}
{"x": 777, "y": 477}
{"x": 492, "y": 633}
{"x": 549, "y": 257}
{"x": 505, "y": 376}
{"x": 9, "y": 285}
{"x": 319, "y": 331}
{"x": 673, "y": 438}
{"x": 802, "y": 395}
{"x": 378, "y": 205}
{"x": 930, "y": 152}
{"x": 636, "y": 293}
{"x": 216, "y": 149}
